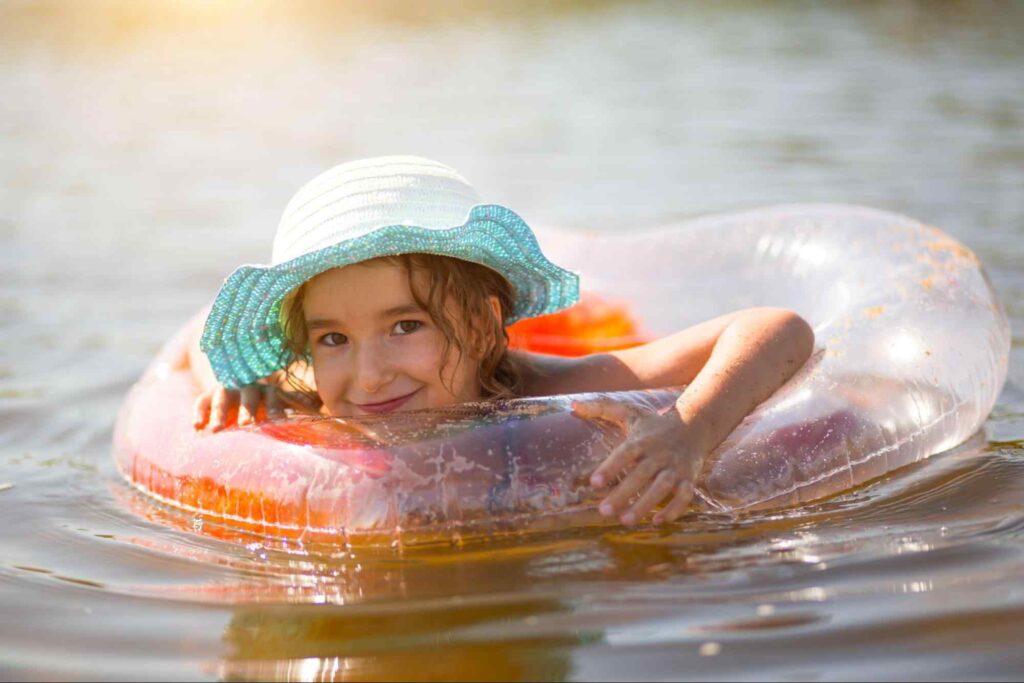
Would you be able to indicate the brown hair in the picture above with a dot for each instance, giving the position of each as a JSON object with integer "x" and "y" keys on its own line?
{"x": 454, "y": 287}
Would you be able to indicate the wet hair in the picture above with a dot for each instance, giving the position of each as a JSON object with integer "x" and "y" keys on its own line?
{"x": 454, "y": 290}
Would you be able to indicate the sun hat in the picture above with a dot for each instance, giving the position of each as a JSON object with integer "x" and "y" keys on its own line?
{"x": 361, "y": 210}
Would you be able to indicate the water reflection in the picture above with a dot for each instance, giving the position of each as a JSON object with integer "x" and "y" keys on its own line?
{"x": 401, "y": 644}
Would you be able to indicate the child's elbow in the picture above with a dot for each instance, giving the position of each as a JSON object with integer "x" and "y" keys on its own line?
{"x": 797, "y": 333}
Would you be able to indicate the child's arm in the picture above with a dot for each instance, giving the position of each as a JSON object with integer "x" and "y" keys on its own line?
{"x": 731, "y": 364}
{"x": 218, "y": 406}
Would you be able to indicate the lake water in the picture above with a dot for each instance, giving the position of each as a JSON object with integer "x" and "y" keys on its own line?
{"x": 147, "y": 148}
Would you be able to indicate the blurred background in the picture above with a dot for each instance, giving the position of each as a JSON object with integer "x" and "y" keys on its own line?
{"x": 148, "y": 147}
{"x": 151, "y": 143}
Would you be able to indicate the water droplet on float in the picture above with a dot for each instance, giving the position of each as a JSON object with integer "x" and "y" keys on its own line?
{"x": 197, "y": 523}
{"x": 396, "y": 539}
{"x": 258, "y": 550}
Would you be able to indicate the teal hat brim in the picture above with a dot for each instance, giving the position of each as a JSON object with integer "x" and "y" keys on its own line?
{"x": 243, "y": 338}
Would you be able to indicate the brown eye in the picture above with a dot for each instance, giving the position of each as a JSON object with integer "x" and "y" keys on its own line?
{"x": 333, "y": 339}
{"x": 404, "y": 327}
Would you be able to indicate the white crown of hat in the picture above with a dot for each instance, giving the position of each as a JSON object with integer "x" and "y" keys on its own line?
{"x": 359, "y": 197}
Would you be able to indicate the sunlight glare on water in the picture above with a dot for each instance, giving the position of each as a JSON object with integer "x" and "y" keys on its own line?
{"x": 148, "y": 148}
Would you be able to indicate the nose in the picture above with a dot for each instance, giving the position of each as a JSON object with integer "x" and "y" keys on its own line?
{"x": 373, "y": 368}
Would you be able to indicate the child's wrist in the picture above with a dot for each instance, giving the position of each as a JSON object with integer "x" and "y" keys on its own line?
{"x": 698, "y": 437}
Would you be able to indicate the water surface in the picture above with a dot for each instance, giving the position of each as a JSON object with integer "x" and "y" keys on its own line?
{"x": 149, "y": 148}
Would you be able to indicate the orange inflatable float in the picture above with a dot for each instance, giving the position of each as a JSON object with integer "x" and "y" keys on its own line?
{"x": 333, "y": 480}
{"x": 913, "y": 348}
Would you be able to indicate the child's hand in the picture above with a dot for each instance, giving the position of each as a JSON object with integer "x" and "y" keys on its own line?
{"x": 657, "y": 451}
{"x": 219, "y": 406}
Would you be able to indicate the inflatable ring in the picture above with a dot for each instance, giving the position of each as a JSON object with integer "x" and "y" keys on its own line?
{"x": 912, "y": 348}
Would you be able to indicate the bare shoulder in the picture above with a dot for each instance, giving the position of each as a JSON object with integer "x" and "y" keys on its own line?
{"x": 535, "y": 370}
{"x": 544, "y": 375}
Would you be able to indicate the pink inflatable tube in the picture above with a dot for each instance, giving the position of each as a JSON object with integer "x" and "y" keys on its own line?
{"x": 912, "y": 353}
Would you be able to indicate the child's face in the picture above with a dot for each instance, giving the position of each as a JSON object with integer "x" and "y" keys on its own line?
{"x": 375, "y": 350}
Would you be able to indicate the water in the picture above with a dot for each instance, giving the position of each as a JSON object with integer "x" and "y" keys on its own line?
{"x": 148, "y": 148}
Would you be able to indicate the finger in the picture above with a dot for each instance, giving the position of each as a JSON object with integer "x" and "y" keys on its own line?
{"x": 201, "y": 412}
{"x": 622, "y": 457}
{"x": 663, "y": 485}
{"x": 275, "y": 407}
{"x": 224, "y": 401}
{"x": 250, "y": 403}
{"x": 678, "y": 505}
{"x": 622, "y": 415}
{"x": 634, "y": 481}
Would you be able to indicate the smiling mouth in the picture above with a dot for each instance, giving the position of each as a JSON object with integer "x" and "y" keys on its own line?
{"x": 386, "y": 406}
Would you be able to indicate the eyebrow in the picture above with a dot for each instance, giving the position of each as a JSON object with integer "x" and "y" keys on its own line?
{"x": 403, "y": 309}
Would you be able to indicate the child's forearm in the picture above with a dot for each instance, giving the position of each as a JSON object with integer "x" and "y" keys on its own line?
{"x": 754, "y": 355}
{"x": 744, "y": 358}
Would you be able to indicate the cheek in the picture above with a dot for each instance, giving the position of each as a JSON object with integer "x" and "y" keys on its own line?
{"x": 420, "y": 356}
{"x": 417, "y": 357}
{"x": 461, "y": 377}
{"x": 328, "y": 373}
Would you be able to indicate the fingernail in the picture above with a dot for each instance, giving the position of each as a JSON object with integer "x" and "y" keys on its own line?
{"x": 597, "y": 480}
{"x": 628, "y": 518}
{"x": 606, "y": 509}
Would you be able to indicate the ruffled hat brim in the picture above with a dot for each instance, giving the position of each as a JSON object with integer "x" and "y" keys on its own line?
{"x": 243, "y": 337}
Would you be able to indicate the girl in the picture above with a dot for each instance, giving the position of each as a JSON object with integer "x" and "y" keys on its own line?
{"x": 391, "y": 289}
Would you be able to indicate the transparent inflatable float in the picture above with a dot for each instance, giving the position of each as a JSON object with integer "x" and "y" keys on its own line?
{"x": 912, "y": 348}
